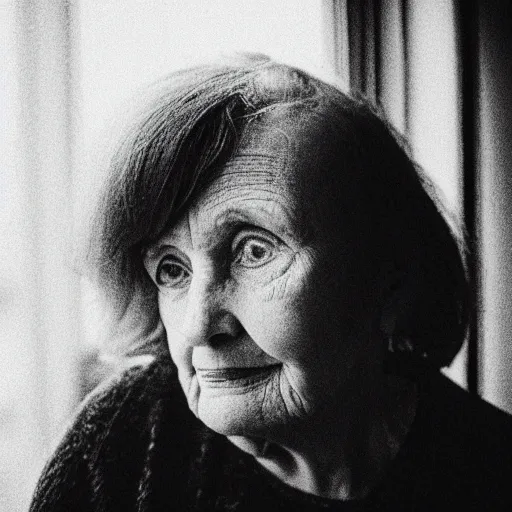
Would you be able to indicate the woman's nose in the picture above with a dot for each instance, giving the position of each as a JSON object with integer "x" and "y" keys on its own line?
{"x": 207, "y": 318}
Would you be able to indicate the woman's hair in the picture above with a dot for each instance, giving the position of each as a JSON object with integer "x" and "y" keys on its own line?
{"x": 190, "y": 128}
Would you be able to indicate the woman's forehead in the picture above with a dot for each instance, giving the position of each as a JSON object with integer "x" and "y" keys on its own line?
{"x": 267, "y": 164}
{"x": 263, "y": 183}
{"x": 281, "y": 147}
{"x": 278, "y": 172}
{"x": 257, "y": 183}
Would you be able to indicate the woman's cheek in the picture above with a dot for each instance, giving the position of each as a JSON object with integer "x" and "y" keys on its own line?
{"x": 275, "y": 315}
{"x": 170, "y": 311}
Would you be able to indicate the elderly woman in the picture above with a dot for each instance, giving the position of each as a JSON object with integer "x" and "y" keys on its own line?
{"x": 269, "y": 243}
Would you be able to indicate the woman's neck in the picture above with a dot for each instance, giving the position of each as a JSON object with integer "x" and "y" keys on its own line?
{"x": 342, "y": 454}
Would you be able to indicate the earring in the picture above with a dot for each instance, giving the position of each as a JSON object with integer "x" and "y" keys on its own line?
{"x": 400, "y": 344}
{"x": 403, "y": 345}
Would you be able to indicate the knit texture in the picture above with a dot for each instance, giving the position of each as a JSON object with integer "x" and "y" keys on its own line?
{"x": 135, "y": 446}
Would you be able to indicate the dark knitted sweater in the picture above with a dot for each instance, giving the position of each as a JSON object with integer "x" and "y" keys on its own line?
{"x": 135, "y": 446}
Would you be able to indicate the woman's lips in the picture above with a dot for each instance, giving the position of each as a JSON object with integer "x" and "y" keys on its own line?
{"x": 234, "y": 377}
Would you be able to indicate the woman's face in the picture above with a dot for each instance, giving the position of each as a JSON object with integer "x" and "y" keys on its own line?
{"x": 257, "y": 290}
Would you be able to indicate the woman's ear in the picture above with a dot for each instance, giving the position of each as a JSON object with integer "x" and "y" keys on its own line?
{"x": 404, "y": 321}
{"x": 392, "y": 302}
{"x": 397, "y": 311}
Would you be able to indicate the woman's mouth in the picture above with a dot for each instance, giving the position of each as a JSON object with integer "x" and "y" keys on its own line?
{"x": 234, "y": 377}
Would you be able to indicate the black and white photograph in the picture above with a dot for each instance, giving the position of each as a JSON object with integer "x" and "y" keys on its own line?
{"x": 255, "y": 255}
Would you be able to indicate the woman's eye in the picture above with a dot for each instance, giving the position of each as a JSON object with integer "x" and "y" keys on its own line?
{"x": 254, "y": 252}
{"x": 171, "y": 273}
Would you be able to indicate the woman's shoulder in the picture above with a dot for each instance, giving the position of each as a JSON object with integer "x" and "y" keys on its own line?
{"x": 467, "y": 413}
{"x": 471, "y": 445}
{"x": 114, "y": 438}
{"x": 140, "y": 381}
{"x": 125, "y": 402}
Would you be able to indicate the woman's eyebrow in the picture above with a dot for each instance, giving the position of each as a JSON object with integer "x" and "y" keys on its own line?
{"x": 275, "y": 219}
{"x": 232, "y": 217}
{"x": 217, "y": 227}
{"x": 224, "y": 224}
{"x": 153, "y": 251}
{"x": 258, "y": 216}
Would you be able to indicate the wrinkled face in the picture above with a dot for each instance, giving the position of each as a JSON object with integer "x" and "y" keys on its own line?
{"x": 256, "y": 287}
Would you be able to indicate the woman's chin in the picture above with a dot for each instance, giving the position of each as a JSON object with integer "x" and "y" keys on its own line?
{"x": 249, "y": 409}
{"x": 232, "y": 414}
